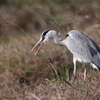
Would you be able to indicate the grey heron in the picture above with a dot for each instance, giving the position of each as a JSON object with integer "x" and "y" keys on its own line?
{"x": 80, "y": 45}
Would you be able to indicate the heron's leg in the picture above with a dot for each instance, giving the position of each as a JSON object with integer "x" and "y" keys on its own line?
{"x": 84, "y": 71}
{"x": 74, "y": 72}
{"x": 84, "y": 74}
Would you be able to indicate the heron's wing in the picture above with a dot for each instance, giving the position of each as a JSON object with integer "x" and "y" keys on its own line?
{"x": 82, "y": 46}
{"x": 94, "y": 45}
{"x": 84, "y": 40}
{"x": 92, "y": 50}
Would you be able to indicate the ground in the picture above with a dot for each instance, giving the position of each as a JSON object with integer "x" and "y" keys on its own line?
{"x": 49, "y": 75}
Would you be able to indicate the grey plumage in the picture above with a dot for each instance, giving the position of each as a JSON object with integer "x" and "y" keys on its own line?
{"x": 80, "y": 45}
{"x": 84, "y": 48}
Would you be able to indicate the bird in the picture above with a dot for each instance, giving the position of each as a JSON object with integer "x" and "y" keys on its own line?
{"x": 83, "y": 48}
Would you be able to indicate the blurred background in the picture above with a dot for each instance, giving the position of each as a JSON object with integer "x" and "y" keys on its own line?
{"x": 35, "y": 16}
{"x": 21, "y": 73}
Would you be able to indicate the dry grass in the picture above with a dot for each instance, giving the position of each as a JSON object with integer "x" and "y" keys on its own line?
{"x": 47, "y": 76}
{"x": 28, "y": 77}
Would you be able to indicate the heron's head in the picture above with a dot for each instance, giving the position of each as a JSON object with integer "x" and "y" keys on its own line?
{"x": 45, "y": 36}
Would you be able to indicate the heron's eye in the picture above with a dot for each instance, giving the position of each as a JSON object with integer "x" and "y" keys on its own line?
{"x": 43, "y": 37}
{"x": 67, "y": 35}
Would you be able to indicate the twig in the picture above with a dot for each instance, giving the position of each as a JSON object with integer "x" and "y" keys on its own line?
{"x": 34, "y": 96}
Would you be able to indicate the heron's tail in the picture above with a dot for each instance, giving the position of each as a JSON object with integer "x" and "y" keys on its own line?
{"x": 95, "y": 66}
{"x": 96, "y": 61}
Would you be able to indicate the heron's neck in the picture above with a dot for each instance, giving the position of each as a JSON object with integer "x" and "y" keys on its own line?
{"x": 57, "y": 39}
{"x": 60, "y": 42}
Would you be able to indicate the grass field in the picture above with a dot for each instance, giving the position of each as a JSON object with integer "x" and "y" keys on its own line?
{"x": 47, "y": 76}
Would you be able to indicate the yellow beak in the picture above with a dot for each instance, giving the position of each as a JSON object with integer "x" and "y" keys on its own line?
{"x": 40, "y": 43}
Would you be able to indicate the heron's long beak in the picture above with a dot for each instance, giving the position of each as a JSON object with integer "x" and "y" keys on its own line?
{"x": 40, "y": 43}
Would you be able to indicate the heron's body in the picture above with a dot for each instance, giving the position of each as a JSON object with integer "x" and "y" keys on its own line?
{"x": 81, "y": 46}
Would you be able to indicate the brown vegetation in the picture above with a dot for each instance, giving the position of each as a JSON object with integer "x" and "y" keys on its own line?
{"x": 48, "y": 75}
